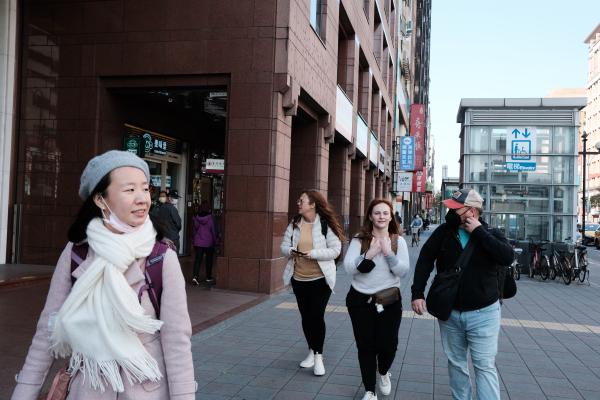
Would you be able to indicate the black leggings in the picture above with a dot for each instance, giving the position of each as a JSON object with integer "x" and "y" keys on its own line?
{"x": 200, "y": 251}
{"x": 376, "y": 335}
{"x": 312, "y": 298}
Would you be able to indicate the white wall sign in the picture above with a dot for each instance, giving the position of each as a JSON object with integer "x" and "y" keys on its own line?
{"x": 215, "y": 165}
{"x": 404, "y": 181}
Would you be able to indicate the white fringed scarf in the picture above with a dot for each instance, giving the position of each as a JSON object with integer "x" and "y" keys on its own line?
{"x": 98, "y": 323}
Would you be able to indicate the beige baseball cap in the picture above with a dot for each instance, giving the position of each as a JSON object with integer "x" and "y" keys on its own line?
{"x": 464, "y": 198}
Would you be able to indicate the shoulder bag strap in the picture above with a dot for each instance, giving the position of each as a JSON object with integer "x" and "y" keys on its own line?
{"x": 465, "y": 256}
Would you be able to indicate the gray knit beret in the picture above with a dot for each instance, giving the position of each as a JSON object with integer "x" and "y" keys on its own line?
{"x": 101, "y": 165}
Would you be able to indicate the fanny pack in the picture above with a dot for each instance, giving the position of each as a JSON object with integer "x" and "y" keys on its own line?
{"x": 387, "y": 296}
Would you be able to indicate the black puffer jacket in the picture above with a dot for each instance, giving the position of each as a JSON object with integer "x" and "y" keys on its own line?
{"x": 479, "y": 282}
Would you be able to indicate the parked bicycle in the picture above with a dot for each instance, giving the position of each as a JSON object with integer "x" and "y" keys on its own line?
{"x": 515, "y": 268}
{"x": 536, "y": 250}
{"x": 557, "y": 264}
{"x": 578, "y": 262}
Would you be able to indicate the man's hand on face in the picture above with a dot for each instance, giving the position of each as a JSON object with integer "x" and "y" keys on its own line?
{"x": 471, "y": 224}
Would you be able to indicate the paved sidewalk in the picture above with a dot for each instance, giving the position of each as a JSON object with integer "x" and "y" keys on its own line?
{"x": 549, "y": 349}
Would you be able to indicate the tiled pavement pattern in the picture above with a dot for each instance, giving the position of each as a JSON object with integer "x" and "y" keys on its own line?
{"x": 549, "y": 349}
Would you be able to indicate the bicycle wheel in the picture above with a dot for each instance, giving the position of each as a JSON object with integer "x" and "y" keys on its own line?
{"x": 552, "y": 271}
{"x": 583, "y": 270}
{"x": 544, "y": 267}
{"x": 532, "y": 266}
{"x": 565, "y": 265}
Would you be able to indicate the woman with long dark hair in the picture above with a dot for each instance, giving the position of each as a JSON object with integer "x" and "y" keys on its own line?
{"x": 124, "y": 336}
{"x": 376, "y": 259}
{"x": 312, "y": 242}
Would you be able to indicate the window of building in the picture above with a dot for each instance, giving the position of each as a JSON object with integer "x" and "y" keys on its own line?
{"x": 564, "y": 140}
{"x": 563, "y": 169}
{"x": 519, "y": 198}
{"x": 563, "y": 199}
{"x": 478, "y": 139}
{"x": 476, "y": 168}
{"x": 318, "y": 16}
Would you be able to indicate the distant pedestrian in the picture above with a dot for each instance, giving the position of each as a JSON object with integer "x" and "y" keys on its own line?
{"x": 204, "y": 239}
{"x": 119, "y": 345}
{"x": 398, "y": 219}
{"x": 376, "y": 259}
{"x": 166, "y": 214}
{"x": 312, "y": 242}
{"x": 474, "y": 321}
{"x": 415, "y": 226}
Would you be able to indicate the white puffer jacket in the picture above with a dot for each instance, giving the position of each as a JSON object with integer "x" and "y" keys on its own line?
{"x": 325, "y": 250}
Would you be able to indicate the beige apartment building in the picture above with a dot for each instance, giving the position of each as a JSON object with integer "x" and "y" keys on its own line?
{"x": 592, "y": 125}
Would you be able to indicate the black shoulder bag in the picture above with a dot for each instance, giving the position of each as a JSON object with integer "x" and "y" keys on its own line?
{"x": 444, "y": 288}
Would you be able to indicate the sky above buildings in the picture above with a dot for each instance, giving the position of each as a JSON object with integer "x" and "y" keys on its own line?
{"x": 502, "y": 48}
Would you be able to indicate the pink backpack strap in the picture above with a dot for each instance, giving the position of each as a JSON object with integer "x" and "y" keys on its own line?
{"x": 79, "y": 253}
{"x": 153, "y": 275}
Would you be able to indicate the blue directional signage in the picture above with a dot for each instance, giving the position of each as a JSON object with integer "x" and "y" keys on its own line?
{"x": 407, "y": 153}
{"x": 520, "y": 147}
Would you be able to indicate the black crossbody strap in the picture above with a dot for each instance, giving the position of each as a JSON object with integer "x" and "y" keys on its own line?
{"x": 465, "y": 256}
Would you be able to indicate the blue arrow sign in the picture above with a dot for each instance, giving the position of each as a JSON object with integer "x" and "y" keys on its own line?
{"x": 526, "y": 133}
{"x": 516, "y": 132}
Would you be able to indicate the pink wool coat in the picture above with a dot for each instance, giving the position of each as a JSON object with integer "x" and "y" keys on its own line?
{"x": 170, "y": 347}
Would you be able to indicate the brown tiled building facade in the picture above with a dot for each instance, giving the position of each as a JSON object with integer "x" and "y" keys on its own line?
{"x": 275, "y": 88}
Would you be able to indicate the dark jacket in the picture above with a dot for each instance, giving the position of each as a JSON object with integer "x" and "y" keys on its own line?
{"x": 169, "y": 218}
{"x": 203, "y": 231}
{"x": 479, "y": 282}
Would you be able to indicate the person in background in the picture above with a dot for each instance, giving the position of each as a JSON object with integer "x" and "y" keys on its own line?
{"x": 204, "y": 240}
{"x": 376, "y": 259}
{"x": 311, "y": 243}
{"x": 167, "y": 215}
{"x": 398, "y": 219}
{"x": 123, "y": 349}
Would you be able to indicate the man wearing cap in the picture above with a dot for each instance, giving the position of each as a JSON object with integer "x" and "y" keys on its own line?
{"x": 166, "y": 214}
{"x": 474, "y": 322}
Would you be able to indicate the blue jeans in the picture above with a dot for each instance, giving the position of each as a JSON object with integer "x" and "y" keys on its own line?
{"x": 476, "y": 331}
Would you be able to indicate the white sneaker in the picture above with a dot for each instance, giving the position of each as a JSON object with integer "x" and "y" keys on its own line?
{"x": 369, "y": 396}
{"x": 319, "y": 367}
{"x": 384, "y": 383}
{"x": 309, "y": 361}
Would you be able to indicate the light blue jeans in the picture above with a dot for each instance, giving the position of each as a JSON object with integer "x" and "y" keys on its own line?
{"x": 476, "y": 331}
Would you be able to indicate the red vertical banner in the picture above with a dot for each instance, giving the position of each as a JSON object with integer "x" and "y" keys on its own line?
{"x": 417, "y": 130}
{"x": 419, "y": 178}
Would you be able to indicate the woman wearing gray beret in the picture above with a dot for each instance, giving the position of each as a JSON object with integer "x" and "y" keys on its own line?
{"x": 117, "y": 307}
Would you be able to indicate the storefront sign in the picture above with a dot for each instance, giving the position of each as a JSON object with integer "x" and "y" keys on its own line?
{"x": 520, "y": 147}
{"x": 417, "y": 130}
{"x": 381, "y": 159}
{"x": 407, "y": 153}
{"x": 419, "y": 178}
{"x": 133, "y": 145}
{"x": 404, "y": 181}
{"x": 215, "y": 165}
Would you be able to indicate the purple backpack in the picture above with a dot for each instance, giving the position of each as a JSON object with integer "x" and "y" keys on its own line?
{"x": 152, "y": 272}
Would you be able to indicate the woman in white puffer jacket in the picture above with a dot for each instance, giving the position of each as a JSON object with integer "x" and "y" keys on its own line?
{"x": 312, "y": 242}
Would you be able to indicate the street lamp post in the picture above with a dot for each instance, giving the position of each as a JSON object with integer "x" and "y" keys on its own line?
{"x": 584, "y": 138}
